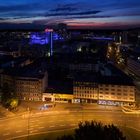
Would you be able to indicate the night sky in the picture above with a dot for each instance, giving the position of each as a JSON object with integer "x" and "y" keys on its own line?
{"x": 75, "y": 13}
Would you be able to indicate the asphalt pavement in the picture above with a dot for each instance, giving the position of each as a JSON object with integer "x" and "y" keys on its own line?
{"x": 31, "y": 123}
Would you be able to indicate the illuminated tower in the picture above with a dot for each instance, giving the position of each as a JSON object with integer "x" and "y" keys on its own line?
{"x": 51, "y": 40}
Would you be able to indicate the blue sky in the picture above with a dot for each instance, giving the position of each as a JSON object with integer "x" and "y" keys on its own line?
{"x": 75, "y": 13}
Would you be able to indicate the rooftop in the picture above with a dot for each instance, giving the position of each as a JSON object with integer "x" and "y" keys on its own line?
{"x": 61, "y": 86}
{"x": 117, "y": 77}
{"x": 33, "y": 70}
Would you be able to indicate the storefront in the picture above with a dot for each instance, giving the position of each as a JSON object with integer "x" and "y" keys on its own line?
{"x": 57, "y": 97}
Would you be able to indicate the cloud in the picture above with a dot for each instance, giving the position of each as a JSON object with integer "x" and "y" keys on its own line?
{"x": 72, "y": 13}
{"x": 104, "y": 25}
{"x": 3, "y": 18}
{"x": 66, "y": 7}
{"x": 88, "y": 16}
{"x": 53, "y": 11}
{"x": 19, "y": 7}
{"x": 48, "y": 21}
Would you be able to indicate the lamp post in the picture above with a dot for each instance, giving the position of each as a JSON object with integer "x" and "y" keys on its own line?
{"x": 28, "y": 109}
{"x": 82, "y": 110}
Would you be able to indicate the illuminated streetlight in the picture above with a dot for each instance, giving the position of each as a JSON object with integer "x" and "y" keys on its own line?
{"x": 28, "y": 109}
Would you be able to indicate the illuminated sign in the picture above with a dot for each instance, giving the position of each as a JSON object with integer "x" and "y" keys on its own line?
{"x": 103, "y": 38}
{"x": 106, "y": 102}
{"x": 48, "y": 30}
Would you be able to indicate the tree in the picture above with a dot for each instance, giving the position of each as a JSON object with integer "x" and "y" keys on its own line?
{"x": 8, "y": 97}
{"x": 12, "y": 103}
{"x": 6, "y": 93}
{"x": 66, "y": 137}
{"x": 95, "y": 131}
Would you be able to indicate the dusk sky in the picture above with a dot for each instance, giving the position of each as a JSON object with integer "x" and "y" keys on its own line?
{"x": 75, "y": 13}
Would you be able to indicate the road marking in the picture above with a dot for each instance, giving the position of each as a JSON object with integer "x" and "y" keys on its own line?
{"x": 31, "y": 128}
{"x": 52, "y": 126}
{"x": 41, "y": 127}
{"x": 73, "y": 124}
{"x": 18, "y": 131}
{"x": 34, "y": 125}
{"x": 62, "y": 125}
{"x": 6, "y": 134}
{"x": 34, "y": 121}
{"x": 33, "y": 131}
{"x": 133, "y": 128}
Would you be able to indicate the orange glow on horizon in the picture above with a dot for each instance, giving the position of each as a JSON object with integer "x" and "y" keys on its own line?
{"x": 100, "y": 25}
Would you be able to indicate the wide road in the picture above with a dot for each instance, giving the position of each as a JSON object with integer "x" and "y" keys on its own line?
{"x": 30, "y": 123}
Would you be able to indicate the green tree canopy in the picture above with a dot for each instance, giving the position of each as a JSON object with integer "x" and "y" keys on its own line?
{"x": 95, "y": 131}
{"x": 8, "y": 98}
{"x": 6, "y": 92}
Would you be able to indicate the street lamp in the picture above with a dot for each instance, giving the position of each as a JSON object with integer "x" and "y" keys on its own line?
{"x": 82, "y": 111}
{"x": 28, "y": 109}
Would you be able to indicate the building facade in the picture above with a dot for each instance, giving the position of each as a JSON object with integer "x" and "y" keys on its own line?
{"x": 85, "y": 92}
{"x": 104, "y": 93}
{"x": 29, "y": 88}
{"x": 58, "y": 95}
{"x": 116, "y": 94}
{"x": 26, "y": 87}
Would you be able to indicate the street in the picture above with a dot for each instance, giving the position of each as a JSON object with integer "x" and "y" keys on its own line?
{"x": 41, "y": 122}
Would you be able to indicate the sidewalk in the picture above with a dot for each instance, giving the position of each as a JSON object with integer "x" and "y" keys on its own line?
{"x": 129, "y": 110}
{"x": 5, "y": 113}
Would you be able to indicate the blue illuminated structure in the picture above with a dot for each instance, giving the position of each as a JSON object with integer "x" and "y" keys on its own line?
{"x": 38, "y": 38}
{"x": 43, "y": 38}
{"x": 103, "y": 38}
{"x": 50, "y": 31}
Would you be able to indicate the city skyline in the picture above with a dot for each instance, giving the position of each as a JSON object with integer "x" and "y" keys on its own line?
{"x": 75, "y": 13}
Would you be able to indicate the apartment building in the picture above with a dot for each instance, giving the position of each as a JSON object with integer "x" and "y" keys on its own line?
{"x": 85, "y": 91}
{"x": 116, "y": 94}
{"x": 28, "y": 88}
{"x": 106, "y": 90}
{"x": 29, "y": 82}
